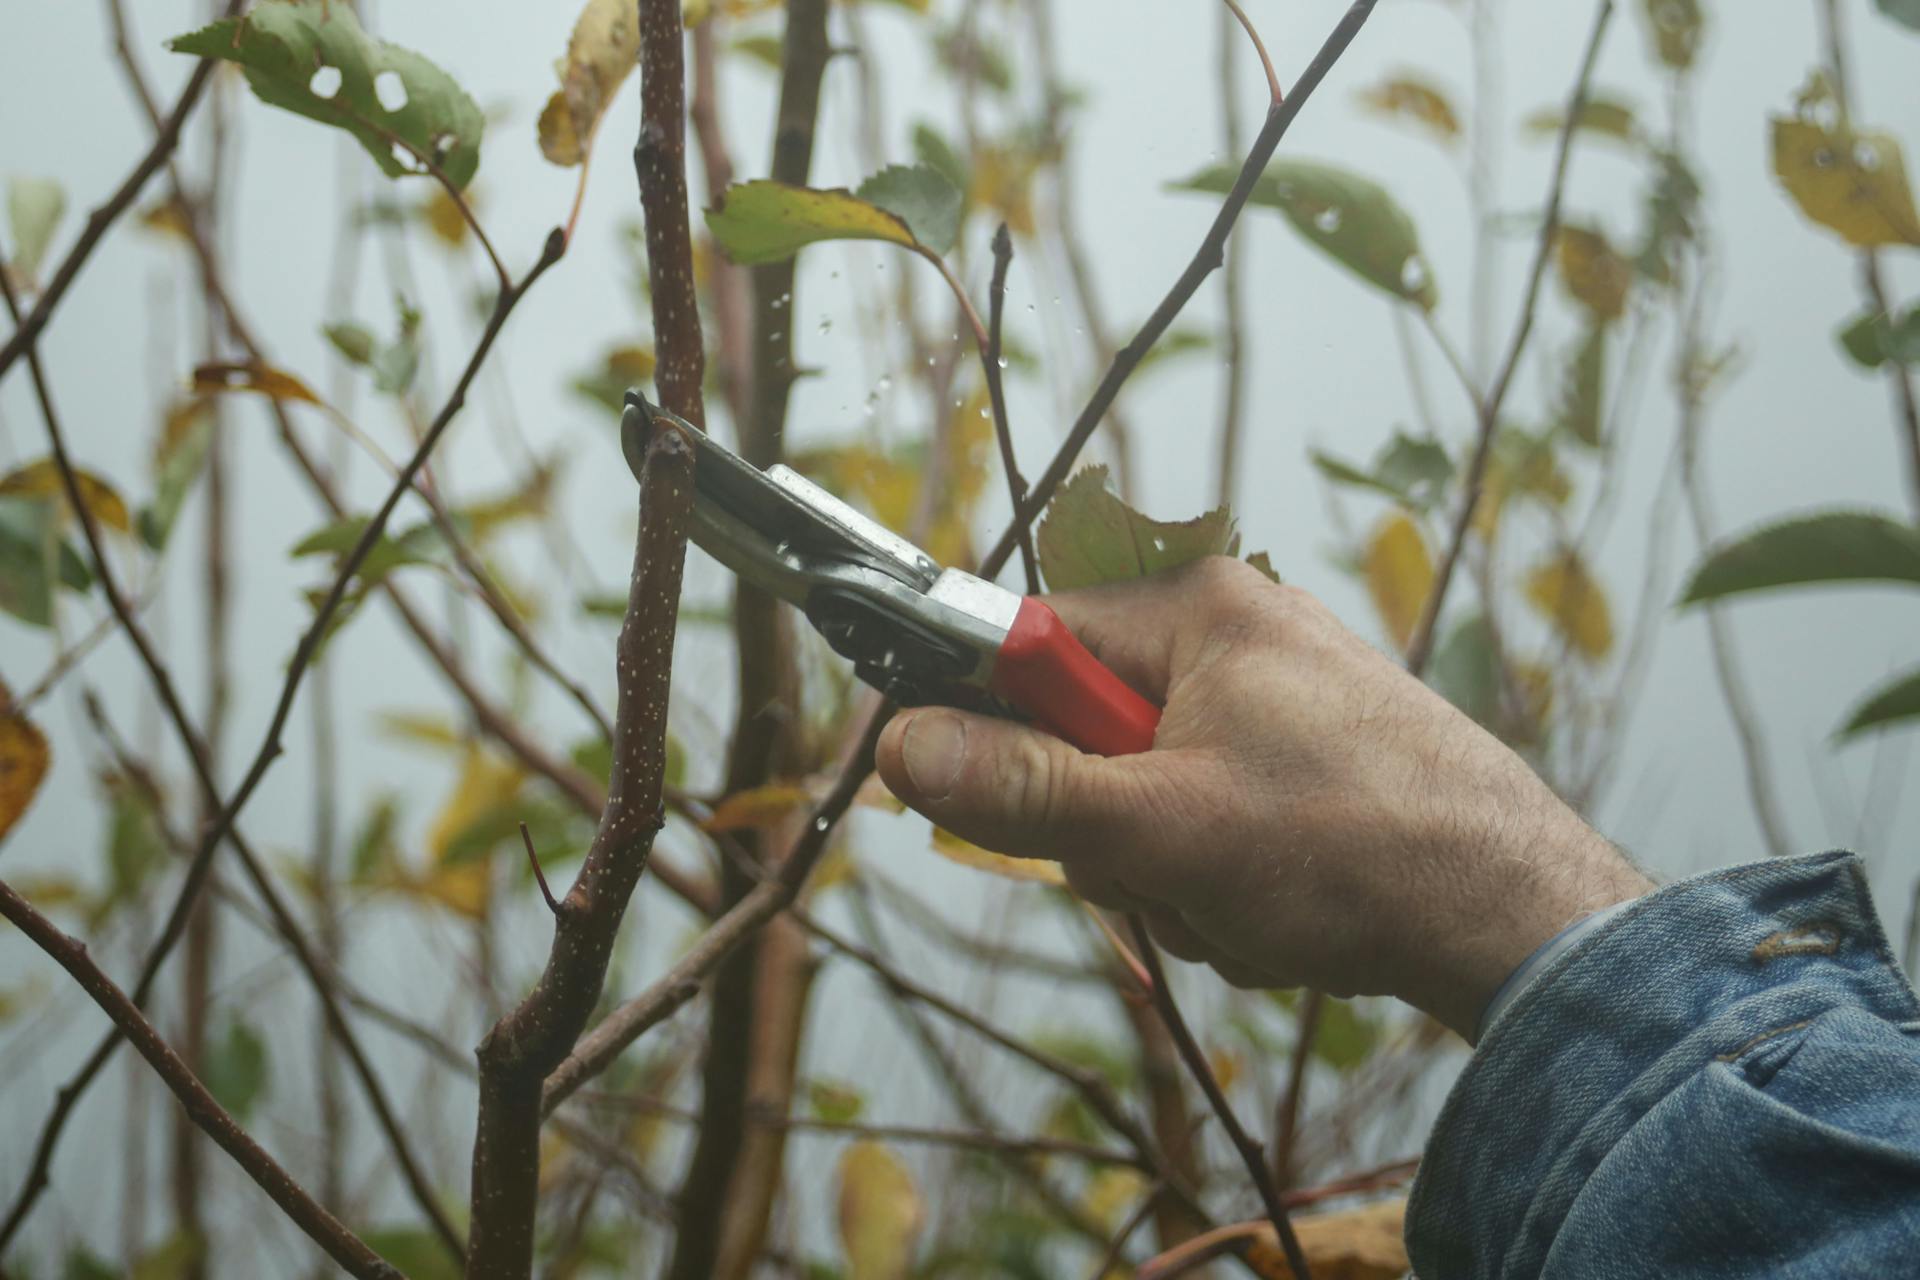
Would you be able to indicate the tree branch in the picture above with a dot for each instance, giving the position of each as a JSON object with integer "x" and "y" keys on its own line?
{"x": 1195, "y": 1057}
{"x": 1209, "y": 256}
{"x": 1420, "y": 646}
{"x": 322, "y": 1227}
{"x": 990, "y": 364}
{"x": 527, "y": 1043}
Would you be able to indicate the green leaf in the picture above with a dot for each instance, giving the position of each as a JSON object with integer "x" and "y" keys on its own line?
{"x": 421, "y": 544}
{"x": 28, "y": 565}
{"x": 1904, "y": 12}
{"x": 174, "y": 1258}
{"x": 235, "y": 1070}
{"x": 931, "y": 148}
{"x": 136, "y": 846}
{"x": 1352, "y": 218}
{"x": 351, "y": 340}
{"x": 1089, "y": 536}
{"x": 376, "y": 847}
{"x": 1464, "y": 671}
{"x": 835, "y": 1101}
{"x": 1173, "y": 344}
{"x": 766, "y": 221}
{"x": 1413, "y": 472}
{"x": 1834, "y": 546}
{"x": 34, "y": 209}
{"x": 1581, "y": 386}
{"x": 1898, "y": 699}
{"x": 82, "y": 1264}
{"x": 393, "y": 100}
{"x": 1872, "y": 338}
{"x": 1346, "y": 1036}
{"x": 920, "y": 196}
{"x": 181, "y": 456}
{"x": 417, "y": 1252}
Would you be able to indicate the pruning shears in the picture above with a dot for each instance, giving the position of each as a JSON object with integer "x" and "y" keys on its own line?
{"x": 917, "y": 632}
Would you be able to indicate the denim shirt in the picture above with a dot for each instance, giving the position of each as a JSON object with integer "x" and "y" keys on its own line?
{"x": 1721, "y": 1080}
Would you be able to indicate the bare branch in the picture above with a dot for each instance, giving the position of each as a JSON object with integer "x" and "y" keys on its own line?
{"x": 990, "y": 364}
{"x": 1420, "y": 646}
{"x": 1196, "y": 1059}
{"x": 322, "y": 1227}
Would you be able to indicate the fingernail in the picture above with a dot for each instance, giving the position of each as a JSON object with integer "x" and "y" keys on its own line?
{"x": 934, "y": 750}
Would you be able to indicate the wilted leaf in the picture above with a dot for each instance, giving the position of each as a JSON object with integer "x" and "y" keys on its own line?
{"x": 42, "y": 479}
{"x": 276, "y": 384}
{"x": 1677, "y": 27}
{"x": 1853, "y": 183}
{"x": 24, "y": 756}
{"x": 1399, "y": 574}
{"x": 920, "y": 196}
{"x": 835, "y": 1101}
{"x": 1409, "y": 97}
{"x": 880, "y": 1213}
{"x": 1834, "y": 546}
{"x": 1030, "y": 870}
{"x": 765, "y": 221}
{"x": 311, "y": 57}
{"x": 1582, "y": 386}
{"x": 1352, "y": 218}
{"x": 1569, "y": 598}
{"x": 1896, "y": 700}
{"x": 1352, "y": 1244}
{"x": 34, "y": 209}
{"x": 1089, "y": 536}
{"x": 604, "y": 47}
{"x": 1873, "y": 338}
{"x": 1599, "y": 114}
{"x": 235, "y": 1069}
{"x": 756, "y": 807}
{"x": 1596, "y": 276}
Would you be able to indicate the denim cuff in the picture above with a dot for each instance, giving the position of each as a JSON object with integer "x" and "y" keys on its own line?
{"x": 1618, "y": 1021}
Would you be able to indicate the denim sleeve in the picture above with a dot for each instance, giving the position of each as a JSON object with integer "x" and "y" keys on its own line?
{"x": 1722, "y": 1080}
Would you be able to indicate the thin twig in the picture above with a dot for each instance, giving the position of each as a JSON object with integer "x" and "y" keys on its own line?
{"x": 103, "y": 217}
{"x": 990, "y": 363}
{"x": 539, "y": 876}
{"x": 1210, "y": 255}
{"x": 322, "y": 1227}
{"x": 1276, "y": 97}
{"x": 1233, "y": 321}
{"x": 1420, "y": 646}
{"x": 1196, "y": 1059}
{"x": 1118, "y": 1245}
{"x": 1287, "y": 1114}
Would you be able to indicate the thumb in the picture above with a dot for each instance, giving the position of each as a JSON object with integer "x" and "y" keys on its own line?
{"x": 1003, "y": 786}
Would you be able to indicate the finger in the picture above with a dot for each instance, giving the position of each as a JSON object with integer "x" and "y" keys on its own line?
{"x": 1174, "y": 936}
{"x": 1001, "y": 785}
{"x": 1096, "y": 883}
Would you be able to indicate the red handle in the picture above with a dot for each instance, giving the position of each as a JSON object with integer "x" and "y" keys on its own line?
{"x": 1047, "y": 673}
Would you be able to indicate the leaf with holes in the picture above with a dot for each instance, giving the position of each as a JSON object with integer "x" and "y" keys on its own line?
{"x": 1090, "y": 536}
{"x": 403, "y": 109}
{"x": 1349, "y": 217}
{"x": 1026, "y": 870}
{"x": 1893, "y": 702}
{"x": 605, "y": 46}
{"x": 1407, "y": 96}
{"x": 1399, "y": 574}
{"x": 1833, "y": 546}
{"x": 1595, "y": 275}
{"x": 767, "y": 221}
{"x": 24, "y": 756}
{"x": 236, "y": 1068}
{"x": 880, "y": 1213}
{"x": 1853, "y": 183}
{"x": 34, "y": 209}
{"x": 1569, "y": 598}
{"x": 275, "y": 384}
{"x": 41, "y": 479}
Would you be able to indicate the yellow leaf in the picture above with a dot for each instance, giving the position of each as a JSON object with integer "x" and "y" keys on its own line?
{"x": 1112, "y": 1192}
{"x": 46, "y": 892}
{"x": 277, "y": 384}
{"x": 1568, "y": 597}
{"x": 1854, "y": 183}
{"x": 765, "y": 221}
{"x": 422, "y": 729}
{"x": 41, "y": 479}
{"x": 168, "y": 217}
{"x": 880, "y": 1213}
{"x": 23, "y": 761}
{"x": 485, "y": 783}
{"x": 1409, "y": 96}
{"x": 1032, "y": 870}
{"x": 756, "y": 807}
{"x": 1354, "y": 1244}
{"x": 605, "y": 46}
{"x": 1003, "y": 182}
{"x": 1399, "y": 574}
{"x": 1596, "y": 276}
{"x": 443, "y": 217}
{"x": 1226, "y": 1066}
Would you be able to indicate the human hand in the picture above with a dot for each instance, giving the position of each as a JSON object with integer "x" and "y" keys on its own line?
{"x": 1310, "y": 814}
